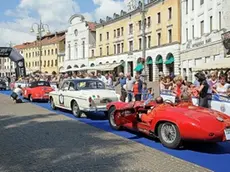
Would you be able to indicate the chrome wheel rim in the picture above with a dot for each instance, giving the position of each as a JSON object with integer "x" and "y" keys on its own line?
{"x": 52, "y": 103}
{"x": 168, "y": 133}
{"x": 75, "y": 109}
{"x": 31, "y": 99}
{"x": 112, "y": 119}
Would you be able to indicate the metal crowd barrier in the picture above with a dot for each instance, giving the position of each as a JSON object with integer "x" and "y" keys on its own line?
{"x": 217, "y": 102}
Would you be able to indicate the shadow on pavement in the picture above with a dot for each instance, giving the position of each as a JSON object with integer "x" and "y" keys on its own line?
{"x": 37, "y": 143}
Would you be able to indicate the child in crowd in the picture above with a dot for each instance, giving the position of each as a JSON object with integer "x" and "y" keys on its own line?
{"x": 150, "y": 93}
{"x": 144, "y": 91}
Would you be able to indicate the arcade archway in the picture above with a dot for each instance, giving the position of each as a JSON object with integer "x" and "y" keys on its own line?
{"x": 170, "y": 63}
{"x": 159, "y": 63}
{"x": 15, "y": 56}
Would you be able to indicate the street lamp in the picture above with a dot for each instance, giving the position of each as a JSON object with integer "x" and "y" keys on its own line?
{"x": 141, "y": 5}
{"x": 40, "y": 30}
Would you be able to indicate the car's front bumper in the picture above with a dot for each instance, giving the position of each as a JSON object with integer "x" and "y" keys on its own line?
{"x": 41, "y": 98}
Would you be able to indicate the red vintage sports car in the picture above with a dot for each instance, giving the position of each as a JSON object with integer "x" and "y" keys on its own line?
{"x": 171, "y": 123}
{"x": 38, "y": 90}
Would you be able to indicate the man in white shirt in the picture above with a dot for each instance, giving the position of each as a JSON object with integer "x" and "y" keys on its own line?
{"x": 101, "y": 77}
{"x": 17, "y": 94}
{"x": 129, "y": 86}
{"x": 108, "y": 81}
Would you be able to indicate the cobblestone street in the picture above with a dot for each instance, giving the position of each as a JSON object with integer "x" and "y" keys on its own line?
{"x": 35, "y": 139}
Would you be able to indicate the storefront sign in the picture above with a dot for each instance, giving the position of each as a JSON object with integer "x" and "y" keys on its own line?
{"x": 198, "y": 44}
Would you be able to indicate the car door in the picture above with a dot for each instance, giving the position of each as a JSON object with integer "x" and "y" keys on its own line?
{"x": 70, "y": 94}
{"x": 62, "y": 93}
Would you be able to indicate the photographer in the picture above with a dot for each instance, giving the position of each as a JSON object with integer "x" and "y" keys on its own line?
{"x": 203, "y": 90}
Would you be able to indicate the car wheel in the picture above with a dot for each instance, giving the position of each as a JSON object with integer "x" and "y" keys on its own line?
{"x": 112, "y": 123}
{"x": 76, "y": 110}
{"x": 169, "y": 135}
{"x": 52, "y": 104}
{"x": 31, "y": 98}
{"x": 106, "y": 114}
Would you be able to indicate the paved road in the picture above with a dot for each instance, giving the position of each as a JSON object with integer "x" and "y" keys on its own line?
{"x": 35, "y": 139}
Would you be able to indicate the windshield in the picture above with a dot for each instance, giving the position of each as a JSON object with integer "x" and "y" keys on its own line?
{"x": 90, "y": 84}
{"x": 39, "y": 84}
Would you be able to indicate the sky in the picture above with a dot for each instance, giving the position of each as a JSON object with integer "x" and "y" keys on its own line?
{"x": 17, "y": 16}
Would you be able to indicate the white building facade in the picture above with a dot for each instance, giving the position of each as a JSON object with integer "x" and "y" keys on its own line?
{"x": 81, "y": 35}
{"x": 203, "y": 23}
{"x": 7, "y": 67}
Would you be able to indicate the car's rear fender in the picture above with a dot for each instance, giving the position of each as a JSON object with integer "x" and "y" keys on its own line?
{"x": 156, "y": 123}
{"x": 117, "y": 105}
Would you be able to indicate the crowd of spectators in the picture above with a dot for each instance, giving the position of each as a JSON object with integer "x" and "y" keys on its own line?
{"x": 204, "y": 86}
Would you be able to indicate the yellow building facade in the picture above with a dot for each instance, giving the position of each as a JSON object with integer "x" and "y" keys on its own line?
{"x": 119, "y": 39}
{"x": 52, "y": 46}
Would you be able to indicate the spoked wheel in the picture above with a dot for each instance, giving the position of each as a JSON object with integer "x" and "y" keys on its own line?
{"x": 52, "y": 104}
{"x": 76, "y": 110}
{"x": 111, "y": 114}
{"x": 31, "y": 98}
{"x": 169, "y": 135}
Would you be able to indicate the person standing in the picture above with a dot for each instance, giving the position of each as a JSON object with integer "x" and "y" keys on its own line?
{"x": 122, "y": 81}
{"x": 203, "y": 90}
{"x": 129, "y": 86}
{"x": 108, "y": 81}
{"x": 137, "y": 88}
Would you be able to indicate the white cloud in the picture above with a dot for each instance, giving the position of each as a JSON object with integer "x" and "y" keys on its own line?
{"x": 55, "y": 13}
{"x": 108, "y": 8}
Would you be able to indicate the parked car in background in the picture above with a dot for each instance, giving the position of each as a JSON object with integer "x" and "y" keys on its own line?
{"x": 82, "y": 95}
{"x": 3, "y": 85}
{"x": 14, "y": 85}
{"x": 38, "y": 90}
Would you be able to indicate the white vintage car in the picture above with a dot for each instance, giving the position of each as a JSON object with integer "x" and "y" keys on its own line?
{"x": 82, "y": 95}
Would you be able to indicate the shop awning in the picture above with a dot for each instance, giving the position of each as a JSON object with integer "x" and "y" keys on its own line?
{"x": 139, "y": 67}
{"x": 159, "y": 61}
{"x": 149, "y": 62}
{"x": 221, "y": 64}
{"x": 170, "y": 60}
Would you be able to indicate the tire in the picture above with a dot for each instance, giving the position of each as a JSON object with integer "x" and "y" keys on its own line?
{"x": 112, "y": 123}
{"x": 169, "y": 135}
{"x": 31, "y": 98}
{"x": 76, "y": 110}
{"x": 52, "y": 104}
{"x": 106, "y": 114}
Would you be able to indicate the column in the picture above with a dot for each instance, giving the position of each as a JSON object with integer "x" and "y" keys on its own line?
{"x": 182, "y": 13}
{"x": 214, "y": 15}
{"x": 196, "y": 22}
{"x": 206, "y": 17}
{"x": 177, "y": 61}
{"x": 155, "y": 72}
